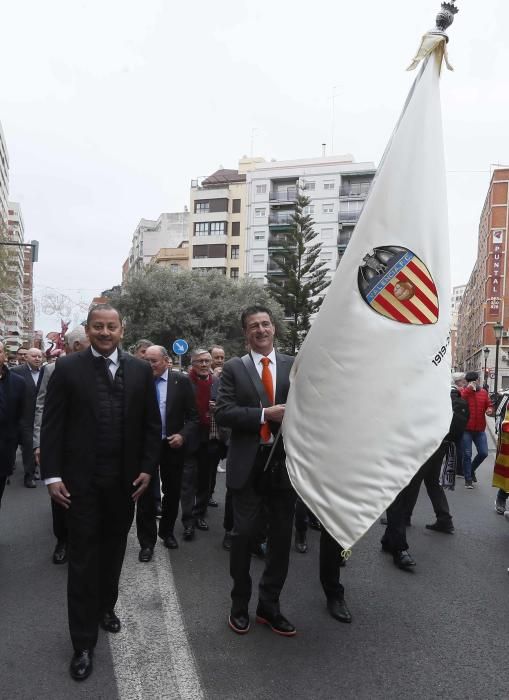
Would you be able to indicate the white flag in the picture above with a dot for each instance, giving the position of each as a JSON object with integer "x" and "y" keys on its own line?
{"x": 369, "y": 401}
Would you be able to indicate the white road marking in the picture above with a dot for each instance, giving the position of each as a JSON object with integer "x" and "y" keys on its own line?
{"x": 152, "y": 657}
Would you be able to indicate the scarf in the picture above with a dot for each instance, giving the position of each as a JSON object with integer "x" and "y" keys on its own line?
{"x": 202, "y": 392}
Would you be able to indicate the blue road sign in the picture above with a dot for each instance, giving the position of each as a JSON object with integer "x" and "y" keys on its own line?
{"x": 180, "y": 347}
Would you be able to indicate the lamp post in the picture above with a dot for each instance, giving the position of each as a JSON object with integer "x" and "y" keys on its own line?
{"x": 486, "y": 352}
{"x": 498, "y": 329}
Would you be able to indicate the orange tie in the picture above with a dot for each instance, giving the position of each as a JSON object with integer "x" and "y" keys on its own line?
{"x": 265, "y": 431}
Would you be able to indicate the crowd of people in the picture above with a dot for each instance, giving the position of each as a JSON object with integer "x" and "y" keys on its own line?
{"x": 120, "y": 436}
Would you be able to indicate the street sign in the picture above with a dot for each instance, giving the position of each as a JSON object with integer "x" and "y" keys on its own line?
{"x": 180, "y": 347}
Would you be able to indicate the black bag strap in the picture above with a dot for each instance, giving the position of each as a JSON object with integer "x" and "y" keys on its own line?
{"x": 249, "y": 364}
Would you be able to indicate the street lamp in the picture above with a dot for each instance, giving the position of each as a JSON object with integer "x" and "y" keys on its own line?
{"x": 498, "y": 329}
{"x": 486, "y": 352}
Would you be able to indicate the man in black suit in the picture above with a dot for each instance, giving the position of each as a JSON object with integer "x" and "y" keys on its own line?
{"x": 178, "y": 438}
{"x": 251, "y": 401}
{"x": 12, "y": 400}
{"x": 32, "y": 373}
{"x": 100, "y": 441}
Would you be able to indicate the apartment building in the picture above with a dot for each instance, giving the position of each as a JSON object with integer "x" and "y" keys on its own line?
{"x": 168, "y": 231}
{"x": 456, "y": 297}
{"x": 485, "y": 299}
{"x": 336, "y": 186}
{"x": 4, "y": 195}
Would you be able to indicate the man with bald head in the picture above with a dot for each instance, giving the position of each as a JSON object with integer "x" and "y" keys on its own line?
{"x": 32, "y": 372}
{"x": 179, "y": 421}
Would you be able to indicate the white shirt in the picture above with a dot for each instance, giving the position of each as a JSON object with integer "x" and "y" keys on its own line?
{"x": 257, "y": 359}
{"x": 35, "y": 375}
{"x": 162, "y": 392}
{"x": 114, "y": 361}
{"x": 113, "y": 366}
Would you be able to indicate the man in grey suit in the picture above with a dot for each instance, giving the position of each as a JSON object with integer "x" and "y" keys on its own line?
{"x": 251, "y": 402}
{"x": 74, "y": 341}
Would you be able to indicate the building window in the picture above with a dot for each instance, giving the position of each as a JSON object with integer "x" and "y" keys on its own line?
{"x": 217, "y": 228}
{"x": 328, "y": 185}
{"x": 201, "y": 229}
{"x": 235, "y": 252}
{"x": 209, "y": 251}
{"x": 327, "y": 234}
{"x": 310, "y": 186}
{"x": 235, "y": 228}
{"x": 326, "y": 256}
{"x": 258, "y": 258}
{"x": 328, "y": 208}
{"x": 236, "y": 206}
{"x": 259, "y": 235}
{"x": 202, "y": 206}
{"x": 309, "y": 210}
{"x": 174, "y": 267}
{"x": 261, "y": 189}
{"x": 234, "y": 273}
{"x": 260, "y": 212}
{"x": 214, "y": 228}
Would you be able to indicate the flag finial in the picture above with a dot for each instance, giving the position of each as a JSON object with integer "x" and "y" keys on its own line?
{"x": 446, "y": 16}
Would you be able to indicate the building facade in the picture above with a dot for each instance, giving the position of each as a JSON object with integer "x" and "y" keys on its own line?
{"x": 175, "y": 258}
{"x": 12, "y": 294}
{"x": 168, "y": 231}
{"x": 4, "y": 195}
{"x": 217, "y": 233}
{"x": 456, "y": 297}
{"x": 486, "y": 297}
{"x": 336, "y": 186}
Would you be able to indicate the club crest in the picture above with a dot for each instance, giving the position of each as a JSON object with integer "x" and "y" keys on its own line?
{"x": 398, "y": 285}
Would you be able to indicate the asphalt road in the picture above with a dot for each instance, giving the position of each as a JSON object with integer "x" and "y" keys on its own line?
{"x": 438, "y": 632}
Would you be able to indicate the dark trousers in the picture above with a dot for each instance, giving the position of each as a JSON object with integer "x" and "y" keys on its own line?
{"x": 228, "y": 511}
{"x": 330, "y": 563}
{"x": 98, "y": 521}
{"x": 59, "y": 517}
{"x": 266, "y": 494}
{"x": 3, "y": 480}
{"x": 170, "y": 468}
{"x": 199, "y": 472}
{"x": 402, "y": 507}
{"x": 27, "y": 450}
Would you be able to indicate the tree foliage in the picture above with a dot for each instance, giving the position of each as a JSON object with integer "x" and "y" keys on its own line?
{"x": 298, "y": 289}
{"x": 202, "y": 308}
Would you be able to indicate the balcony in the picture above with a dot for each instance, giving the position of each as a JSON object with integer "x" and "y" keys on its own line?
{"x": 273, "y": 268}
{"x": 286, "y": 195}
{"x": 348, "y": 216}
{"x": 354, "y": 191}
{"x": 277, "y": 240}
{"x": 281, "y": 221}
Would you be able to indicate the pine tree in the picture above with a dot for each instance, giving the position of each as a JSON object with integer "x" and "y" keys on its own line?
{"x": 299, "y": 288}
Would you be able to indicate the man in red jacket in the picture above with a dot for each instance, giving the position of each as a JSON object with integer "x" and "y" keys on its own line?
{"x": 480, "y": 406}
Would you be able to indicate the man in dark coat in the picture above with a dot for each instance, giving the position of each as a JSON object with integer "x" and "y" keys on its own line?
{"x": 100, "y": 442}
{"x": 250, "y": 401}
{"x": 179, "y": 422}
{"x": 32, "y": 373}
{"x": 12, "y": 398}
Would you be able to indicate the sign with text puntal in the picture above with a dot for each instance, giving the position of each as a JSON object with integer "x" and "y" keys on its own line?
{"x": 496, "y": 270}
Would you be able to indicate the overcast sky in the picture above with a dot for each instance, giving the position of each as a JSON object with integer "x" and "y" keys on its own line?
{"x": 110, "y": 108}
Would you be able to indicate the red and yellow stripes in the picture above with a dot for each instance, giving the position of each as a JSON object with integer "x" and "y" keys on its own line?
{"x": 501, "y": 469}
{"x": 422, "y": 308}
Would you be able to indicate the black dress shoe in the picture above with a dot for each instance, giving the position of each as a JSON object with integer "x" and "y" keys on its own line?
{"x": 60, "y": 553}
{"x": 338, "y": 609}
{"x": 188, "y": 533}
{"x": 403, "y": 560}
{"x": 145, "y": 554}
{"x": 441, "y": 527}
{"x": 110, "y": 622}
{"x": 300, "y": 542}
{"x": 239, "y": 622}
{"x": 227, "y": 541}
{"x": 159, "y": 510}
{"x": 277, "y": 622}
{"x": 201, "y": 524}
{"x": 81, "y": 664}
{"x": 29, "y": 482}
{"x": 171, "y": 542}
{"x": 212, "y": 503}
